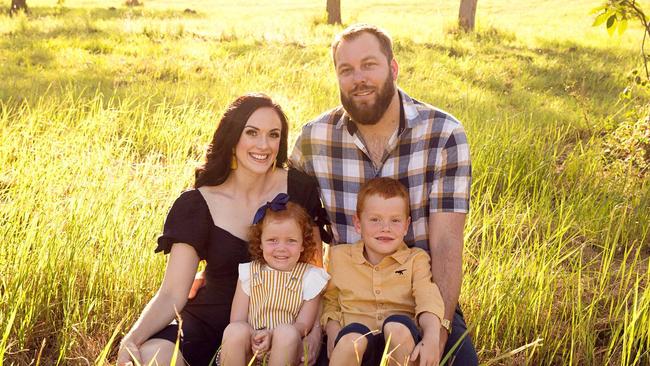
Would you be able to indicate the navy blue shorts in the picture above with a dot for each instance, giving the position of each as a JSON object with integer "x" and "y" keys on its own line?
{"x": 376, "y": 342}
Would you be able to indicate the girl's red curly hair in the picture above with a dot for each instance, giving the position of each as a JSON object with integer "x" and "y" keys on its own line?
{"x": 293, "y": 212}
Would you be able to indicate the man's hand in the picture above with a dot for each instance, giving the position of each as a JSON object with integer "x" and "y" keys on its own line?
{"x": 127, "y": 353}
{"x": 199, "y": 282}
{"x": 427, "y": 351}
{"x": 261, "y": 341}
{"x": 313, "y": 342}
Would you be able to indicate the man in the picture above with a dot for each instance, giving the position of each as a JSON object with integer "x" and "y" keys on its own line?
{"x": 382, "y": 132}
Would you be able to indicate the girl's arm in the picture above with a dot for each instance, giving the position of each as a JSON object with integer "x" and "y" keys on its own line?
{"x": 307, "y": 315}
{"x": 170, "y": 299}
{"x": 239, "y": 310}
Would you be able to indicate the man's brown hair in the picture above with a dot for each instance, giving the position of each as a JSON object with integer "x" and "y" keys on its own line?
{"x": 385, "y": 188}
{"x": 352, "y": 32}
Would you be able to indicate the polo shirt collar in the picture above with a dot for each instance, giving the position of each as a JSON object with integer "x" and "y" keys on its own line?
{"x": 400, "y": 256}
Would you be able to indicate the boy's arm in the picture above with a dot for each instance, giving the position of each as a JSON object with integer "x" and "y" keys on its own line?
{"x": 332, "y": 329}
{"x": 331, "y": 306}
{"x": 425, "y": 292}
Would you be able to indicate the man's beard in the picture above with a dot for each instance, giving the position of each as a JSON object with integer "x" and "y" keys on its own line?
{"x": 369, "y": 114}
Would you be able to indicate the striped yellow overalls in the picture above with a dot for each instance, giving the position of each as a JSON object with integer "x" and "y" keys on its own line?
{"x": 276, "y": 296}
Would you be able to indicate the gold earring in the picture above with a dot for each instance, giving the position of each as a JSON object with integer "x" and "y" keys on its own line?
{"x": 233, "y": 162}
{"x": 274, "y": 162}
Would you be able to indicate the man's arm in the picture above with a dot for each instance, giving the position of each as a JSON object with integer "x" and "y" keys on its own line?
{"x": 446, "y": 248}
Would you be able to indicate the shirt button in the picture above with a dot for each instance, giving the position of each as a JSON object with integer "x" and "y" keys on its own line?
{"x": 377, "y": 292}
{"x": 379, "y": 317}
{"x": 376, "y": 268}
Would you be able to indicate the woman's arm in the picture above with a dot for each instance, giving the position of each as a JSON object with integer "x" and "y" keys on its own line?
{"x": 239, "y": 310}
{"x": 170, "y": 299}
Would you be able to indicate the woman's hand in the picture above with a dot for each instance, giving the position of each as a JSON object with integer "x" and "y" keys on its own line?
{"x": 261, "y": 341}
{"x": 128, "y": 352}
{"x": 313, "y": 342}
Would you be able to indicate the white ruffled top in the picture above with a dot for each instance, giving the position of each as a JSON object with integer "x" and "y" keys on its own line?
{"x": 314, "y": 280}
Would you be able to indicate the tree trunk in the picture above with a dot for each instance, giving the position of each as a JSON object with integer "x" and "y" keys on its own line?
{"x": 466, "y": 14}
{"x": 333, "y": 11}
{"x": 17, "y": 5}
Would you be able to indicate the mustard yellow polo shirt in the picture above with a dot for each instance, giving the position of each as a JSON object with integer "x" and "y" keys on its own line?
{"x": 359, "y": 292}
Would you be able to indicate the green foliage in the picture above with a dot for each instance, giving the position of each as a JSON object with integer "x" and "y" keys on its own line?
{"x": 627, "y": 144}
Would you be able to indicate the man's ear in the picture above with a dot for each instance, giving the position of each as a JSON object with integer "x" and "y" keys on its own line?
{"x": 394, "y": 69}
{"x": 357, "y": 223}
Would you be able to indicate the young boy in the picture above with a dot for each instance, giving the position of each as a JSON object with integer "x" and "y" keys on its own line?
{"x": 379, "y": 287}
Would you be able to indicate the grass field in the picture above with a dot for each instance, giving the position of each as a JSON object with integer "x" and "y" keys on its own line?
{"x": 104, "y": 113}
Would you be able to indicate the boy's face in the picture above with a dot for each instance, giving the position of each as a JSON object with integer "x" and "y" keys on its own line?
{"x": 382, "y": 225}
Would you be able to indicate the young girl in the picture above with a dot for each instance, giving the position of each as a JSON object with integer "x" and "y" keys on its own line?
{"x": 278, "y": 293}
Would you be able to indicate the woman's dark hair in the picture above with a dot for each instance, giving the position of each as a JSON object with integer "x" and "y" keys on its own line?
{"x": 218, "y": 156}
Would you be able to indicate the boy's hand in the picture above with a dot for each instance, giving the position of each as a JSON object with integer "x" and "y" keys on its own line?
{"x": 428, "y": 351}
{"x": 261, "y": 341}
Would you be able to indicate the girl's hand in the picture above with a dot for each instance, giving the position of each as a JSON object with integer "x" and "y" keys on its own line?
{"x": 128, "y": 351}
{"x": 261, "y": 341}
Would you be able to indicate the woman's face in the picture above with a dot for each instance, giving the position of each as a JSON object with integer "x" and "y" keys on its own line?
{"x": 259, "y": 142}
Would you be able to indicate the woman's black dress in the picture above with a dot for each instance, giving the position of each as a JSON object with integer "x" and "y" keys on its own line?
{"x": 205, "y": 317}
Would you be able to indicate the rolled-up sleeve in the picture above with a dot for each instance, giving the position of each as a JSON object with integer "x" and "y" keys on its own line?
{"x": 450, "y": 189}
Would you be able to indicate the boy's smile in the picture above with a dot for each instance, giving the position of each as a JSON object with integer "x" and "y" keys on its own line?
{"x": 382, "y": 225}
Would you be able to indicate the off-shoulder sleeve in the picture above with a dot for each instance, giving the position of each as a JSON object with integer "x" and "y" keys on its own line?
{"x": 303, "y": 190}
{"x": 188, "y": 221}
{"x": 314, "y": 282}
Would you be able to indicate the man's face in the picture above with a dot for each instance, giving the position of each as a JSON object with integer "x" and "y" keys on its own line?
{"x": 366, "y": 78}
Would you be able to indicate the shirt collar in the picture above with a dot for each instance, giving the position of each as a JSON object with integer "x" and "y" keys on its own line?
{"x": 400, "y": 256}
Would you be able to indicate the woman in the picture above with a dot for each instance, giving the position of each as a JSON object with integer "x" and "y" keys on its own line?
{"x": 244, "y": 169}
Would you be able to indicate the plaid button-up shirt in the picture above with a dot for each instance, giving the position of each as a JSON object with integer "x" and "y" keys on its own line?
{"x": 428, "y": 154}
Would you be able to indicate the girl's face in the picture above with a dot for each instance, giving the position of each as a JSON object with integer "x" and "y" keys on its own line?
{"x": 259, "y": 142}
{"x": 281, "y": 244}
